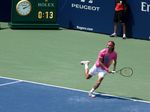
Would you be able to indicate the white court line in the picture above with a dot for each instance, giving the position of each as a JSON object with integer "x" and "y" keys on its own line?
{"x": 49, "y": 85}
{"x": 9, "y": 83}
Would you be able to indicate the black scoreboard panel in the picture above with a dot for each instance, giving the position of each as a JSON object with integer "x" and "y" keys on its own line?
{"x": 34, "y": 14}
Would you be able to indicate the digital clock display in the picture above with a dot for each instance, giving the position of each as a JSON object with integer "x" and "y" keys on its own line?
{"x": 45, "y": 15}
{"x": 46, "y": 10}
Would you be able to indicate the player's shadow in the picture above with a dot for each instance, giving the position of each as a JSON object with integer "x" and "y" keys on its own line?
{"x": 106, "y": 96}
{"x": 135, "y": 98}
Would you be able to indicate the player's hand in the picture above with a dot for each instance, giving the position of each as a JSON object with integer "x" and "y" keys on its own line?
{"x": 113, "y": 72}
{"x": 108, "y": 71}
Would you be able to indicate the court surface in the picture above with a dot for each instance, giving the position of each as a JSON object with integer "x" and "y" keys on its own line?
{"x": 53, "y": 57}
{"x": 24, "y": 96}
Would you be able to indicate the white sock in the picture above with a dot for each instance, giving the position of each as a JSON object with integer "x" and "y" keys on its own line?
{"x": 86, "y": 66}
{"x": 124, "y": 35}
{"x": 92, "y": 90}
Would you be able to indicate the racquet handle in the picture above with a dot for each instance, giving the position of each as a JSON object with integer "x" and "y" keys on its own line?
{"x": 113, "y": 71}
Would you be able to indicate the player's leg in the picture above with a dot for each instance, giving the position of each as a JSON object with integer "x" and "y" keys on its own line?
{"x": 97, "y": 84}
{"x": 101, "y": 74}
{"x": 86, "y": 69}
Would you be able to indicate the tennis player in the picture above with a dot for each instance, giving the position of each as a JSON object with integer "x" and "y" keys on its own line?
{"x": 101, "y": 67}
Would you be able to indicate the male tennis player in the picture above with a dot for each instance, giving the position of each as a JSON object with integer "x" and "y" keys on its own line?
{"x": 101, "y": 67}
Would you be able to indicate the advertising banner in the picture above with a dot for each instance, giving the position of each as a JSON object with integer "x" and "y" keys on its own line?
{"x": 97, "y": 16}
{"x": 139, "y": 19}
{"x": 89, "y": 15}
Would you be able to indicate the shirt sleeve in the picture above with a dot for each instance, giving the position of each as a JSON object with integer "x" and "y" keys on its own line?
{"x": 115, "y": 56}
{"x": 101, "y": 54}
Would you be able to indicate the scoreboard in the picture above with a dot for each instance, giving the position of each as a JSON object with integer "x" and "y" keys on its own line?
{"x": 34, "y": 14}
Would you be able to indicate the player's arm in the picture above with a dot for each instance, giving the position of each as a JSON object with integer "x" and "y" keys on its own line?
{"x": 114, "y": 65}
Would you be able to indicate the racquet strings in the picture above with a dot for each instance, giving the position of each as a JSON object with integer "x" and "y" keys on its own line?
{"x": 127, "y": 71}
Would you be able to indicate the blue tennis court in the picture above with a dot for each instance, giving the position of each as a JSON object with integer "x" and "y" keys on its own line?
{"x": 24, "y": 96}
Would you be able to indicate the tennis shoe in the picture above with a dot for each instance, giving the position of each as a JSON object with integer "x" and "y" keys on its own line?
{"x": 84, "y": 62}
{"x": 92, "y": 95}
{"x": 113, "y": 35}
{"x": 124, "y": 36}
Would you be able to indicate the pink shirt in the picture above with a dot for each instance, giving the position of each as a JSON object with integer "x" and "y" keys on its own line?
{"x": 106, "y": 57}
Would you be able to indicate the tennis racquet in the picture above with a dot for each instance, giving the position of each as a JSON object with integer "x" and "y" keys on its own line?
{"x": 125, "y": 71}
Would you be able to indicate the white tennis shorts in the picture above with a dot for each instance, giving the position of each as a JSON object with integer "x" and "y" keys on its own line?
{"x": 97, "y": 71}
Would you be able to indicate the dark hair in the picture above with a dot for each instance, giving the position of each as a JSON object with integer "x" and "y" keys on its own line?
{"x": 113, "y": 44}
